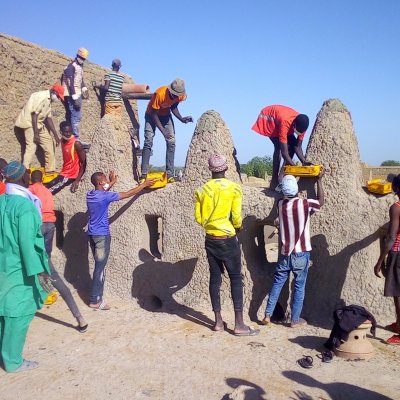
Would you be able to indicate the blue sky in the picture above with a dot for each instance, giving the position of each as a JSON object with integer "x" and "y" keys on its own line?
{"x": 238, "y": 56}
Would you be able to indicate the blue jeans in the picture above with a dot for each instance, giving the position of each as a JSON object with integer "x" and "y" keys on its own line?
{"x": 100, "y": 246}
{"x": 73, "y": 116}
{"x": 149, "y": 132}
{"x": 298, "y": 263}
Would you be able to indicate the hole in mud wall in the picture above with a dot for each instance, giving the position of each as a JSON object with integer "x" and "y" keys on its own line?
{"x": 154, "y": 225}
{"x": 59, "y": 229}
{"x": 271, "y": 243}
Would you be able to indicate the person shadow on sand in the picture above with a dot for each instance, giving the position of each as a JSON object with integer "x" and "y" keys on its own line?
{"x": 155, "y": 282}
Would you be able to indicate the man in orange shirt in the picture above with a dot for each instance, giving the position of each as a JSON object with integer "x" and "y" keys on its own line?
{"x": 158, "y": 115}
{"x": 281, "y": 124}
{"x": 48, "y": 229}
{"x": 3, "y": 163}
{"x": 74, "y": 161}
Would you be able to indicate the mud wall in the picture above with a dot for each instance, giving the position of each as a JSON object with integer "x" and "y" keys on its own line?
{"x": 157, "y": 253}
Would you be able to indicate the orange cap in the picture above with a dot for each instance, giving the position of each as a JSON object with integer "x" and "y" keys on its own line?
{"x": 83, "y": 53}
{"x": 59, "y": 90}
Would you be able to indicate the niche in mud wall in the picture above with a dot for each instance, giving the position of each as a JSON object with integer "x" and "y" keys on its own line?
{"x": 154, "y": 225}
{"x": 271, "y": 243}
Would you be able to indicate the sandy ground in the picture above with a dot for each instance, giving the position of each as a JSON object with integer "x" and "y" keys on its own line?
{"x": 129, "y": 353}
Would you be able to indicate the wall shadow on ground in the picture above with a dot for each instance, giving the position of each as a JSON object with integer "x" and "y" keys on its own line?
{"x": 326, "y": 278}
{"x": 75, "y": 247}
{"x": 336, "y": 390}
{"x": 155, "y": 282}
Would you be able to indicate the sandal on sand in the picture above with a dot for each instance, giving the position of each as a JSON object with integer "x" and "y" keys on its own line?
{"x": 327, "y": 356}
{"x": 249, "y": 332}
{"x": 393, "y": 327}
{"x": 395, "y": 339}
{"x": 100, "y": 306}
{"x": 82, "y": 329}
{"x": 305, "y": 362}
{"x": 266, "y": 320}
{"x": 26, "y": 366}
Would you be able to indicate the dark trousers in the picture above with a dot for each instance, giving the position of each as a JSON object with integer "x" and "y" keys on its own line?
{"x": 48, "y": 229}
{"x": 225, "y": 254}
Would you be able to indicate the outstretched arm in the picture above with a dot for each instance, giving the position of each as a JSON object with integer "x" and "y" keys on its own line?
{"x": 50, "y": 126}
{"x": 299, "y": 152}
{"x": 137, "y": 189}
{"x": 285, "y": 153}
{"x": 175, "y": 111}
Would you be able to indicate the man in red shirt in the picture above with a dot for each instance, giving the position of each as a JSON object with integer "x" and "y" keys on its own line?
{"x": 48, "y": 229}
{"x": 158, "y": 115}
{"x": 281, "y": 124}
{"x": 74, "y": 158}
{"x": 3, "y": 163}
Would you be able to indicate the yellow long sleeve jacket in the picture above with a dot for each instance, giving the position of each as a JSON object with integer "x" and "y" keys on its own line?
{"x": 219, "y": 207}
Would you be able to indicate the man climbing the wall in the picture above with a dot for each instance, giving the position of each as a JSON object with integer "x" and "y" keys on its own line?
{"x": 158, "y": 115}
{"x": 74, "y": 162}
{"x": 98, "y": 201}
{"x": 113, "y": 87}
{"x": 286, "y": 129}
{"x": 75, "y": 90}
{"x": 219, "y": 211}
{"x": 36, "y": 121}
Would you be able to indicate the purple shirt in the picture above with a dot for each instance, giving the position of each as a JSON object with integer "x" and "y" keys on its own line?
{"x": 97, "y": 204}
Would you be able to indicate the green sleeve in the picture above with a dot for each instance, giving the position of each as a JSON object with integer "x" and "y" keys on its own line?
{"x": 31, "y": 243}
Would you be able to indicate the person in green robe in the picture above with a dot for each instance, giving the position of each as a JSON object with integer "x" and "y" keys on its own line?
{"x": 23, "y": 277}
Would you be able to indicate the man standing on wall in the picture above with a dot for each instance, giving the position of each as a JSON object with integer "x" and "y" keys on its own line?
{"x": 36, "y": 121}
{"x": 74, "y": 162}
{"x": 98, "y": 201}
{"x": 75, "y": 89}
{"x": 219, "y": 211}
{"x": 294, "y": 232}
{"x": 158, "y": 115}
{"x": 281, "y": 124}
{"x": 113, "y": 87}
{"x": 23, "y": 272}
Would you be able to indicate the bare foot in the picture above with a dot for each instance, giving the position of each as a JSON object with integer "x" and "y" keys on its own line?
{"x": 219, "y": 326}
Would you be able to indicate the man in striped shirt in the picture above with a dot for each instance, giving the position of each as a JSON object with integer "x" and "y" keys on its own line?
{"x": 113, "y": 86}
{"x": 294, "y": 233}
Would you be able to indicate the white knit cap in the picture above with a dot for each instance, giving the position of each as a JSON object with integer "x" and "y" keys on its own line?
{"x": 289, "y": 185}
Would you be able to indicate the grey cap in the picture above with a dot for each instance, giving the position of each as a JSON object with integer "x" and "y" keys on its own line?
{"x": 177, "y": 87}
{"x": 116, "y": 62}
